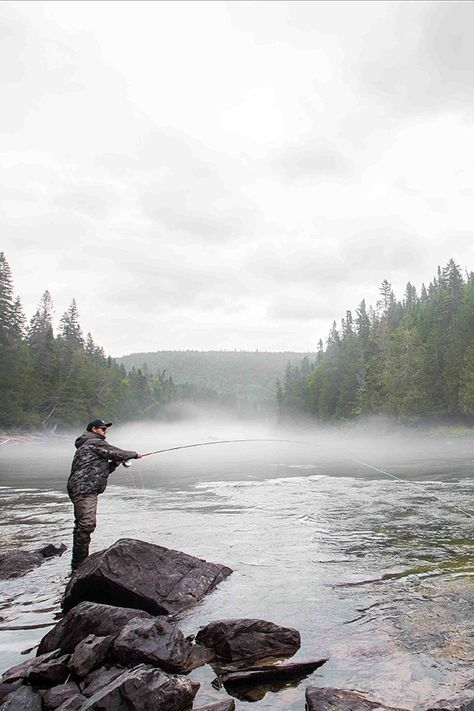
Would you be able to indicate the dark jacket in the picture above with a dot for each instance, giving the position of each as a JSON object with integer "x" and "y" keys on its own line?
{"x": 94, "y": 460}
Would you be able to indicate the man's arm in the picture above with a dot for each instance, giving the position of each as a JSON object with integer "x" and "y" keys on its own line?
{"x": 115, "y": 454}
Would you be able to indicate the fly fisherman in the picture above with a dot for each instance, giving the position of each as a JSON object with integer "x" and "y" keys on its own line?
{"x": 94, "y": 460}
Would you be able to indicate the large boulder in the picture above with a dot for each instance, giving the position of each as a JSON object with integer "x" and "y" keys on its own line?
{"x": 87, "y": 618}
{"x": 99, "y": 678}
{"x": 159, "y": 643}
{"x": 22, "y": 671}
{"x": 73, "y": 703}
{"x": 24, "y": 699}
{"x": 14, "y": 564}
{"x": 89, "y": 654}
{"x": 248, "y": 639}
{"x": 57, "y": 695}
{"x": 46, "y": 670}
{"x": 329, "y": 699}
{"x": 144, "y": 576}
{"x": 271, "y": 671}
{"x": 50, "y": 672}
{"x": 465, "y": 702}
{"x": 9, "y": 688}
{"x": 253, "y": 683}
{"x": 144, "y": 689}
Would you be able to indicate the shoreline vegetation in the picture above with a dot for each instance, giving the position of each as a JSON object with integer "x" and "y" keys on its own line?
{"x": 409, "y": 361}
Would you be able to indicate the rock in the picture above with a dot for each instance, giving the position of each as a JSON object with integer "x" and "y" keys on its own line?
{"x": 14, "y": 564}
{"x": 6, "y": 689}
{"x": 328, "y": 699}
{"x": 57, "y": 695}
{"x": 73, "y": 703}
{"x": 228, "y": 705}
{"x": 247, "y": 639}
{"x": 98, "y": 679}
{"x": 159, "y": 643}
{"x": 89, "y": 654}
{"x": 50, "y": 672}
{"x": 133, "y": 573}
{"x": 87, "y": 618}
{"x": 22, "y": 671}
{"x": 144, "y": 689}
{"x": 463, "y": 703}
{"x": 24, "y": 699}
{"x": 272, "y": 671}
{"x": 253, "y": 683}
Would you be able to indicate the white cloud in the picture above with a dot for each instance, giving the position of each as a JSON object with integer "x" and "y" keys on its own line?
{"x": 231, "y": 175}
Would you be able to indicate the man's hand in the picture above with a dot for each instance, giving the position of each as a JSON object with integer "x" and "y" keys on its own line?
{"x": 139, "y": 455}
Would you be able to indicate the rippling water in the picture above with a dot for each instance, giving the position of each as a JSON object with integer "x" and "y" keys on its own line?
{"x": 377, "y": 574}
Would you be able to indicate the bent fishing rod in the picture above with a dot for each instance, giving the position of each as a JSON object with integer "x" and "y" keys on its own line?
{"x": 308, "y": 444}
{"x": 221, "y": 441}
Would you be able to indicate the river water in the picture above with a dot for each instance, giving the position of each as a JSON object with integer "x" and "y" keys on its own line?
{"x": 376, "y": 573}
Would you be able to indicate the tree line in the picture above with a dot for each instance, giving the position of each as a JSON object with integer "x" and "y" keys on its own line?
{"x": 409, "y": 359}
{"x": 50, "y": 380}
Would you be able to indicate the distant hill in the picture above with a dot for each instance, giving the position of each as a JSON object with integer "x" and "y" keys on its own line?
{"x": 239, "y": 375}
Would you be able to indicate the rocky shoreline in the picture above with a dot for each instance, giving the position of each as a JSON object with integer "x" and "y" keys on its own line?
{"x": 119, "y": 647}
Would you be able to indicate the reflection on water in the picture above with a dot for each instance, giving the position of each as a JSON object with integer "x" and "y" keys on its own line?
{"x": 377, "y": 575}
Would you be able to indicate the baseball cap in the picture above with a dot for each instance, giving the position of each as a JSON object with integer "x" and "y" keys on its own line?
{"x": 97, "y": 423}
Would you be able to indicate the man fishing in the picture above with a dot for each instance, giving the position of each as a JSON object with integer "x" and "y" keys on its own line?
{"x": 93, "y": 461}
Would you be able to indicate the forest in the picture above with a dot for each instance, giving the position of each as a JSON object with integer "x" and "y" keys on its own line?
{"x": 50, "y": 381}
{"x": 410, "y": 359}
{"x": 54, "y": 380}
{"x": 242, "y": 380}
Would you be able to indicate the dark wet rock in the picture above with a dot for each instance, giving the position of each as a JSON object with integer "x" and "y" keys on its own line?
{"x": 159, "y": 643}
{"x": 462, "y": 703}
{"x": 228, "y": 705}
{"x": 14, "y": 564}
{"x": 6, "y": 689}
{"x": 99, "y": 678}
{"x": 87, "y": 618}
{"x": 50, "y": 672}
{"x": 73, "y": 703}
{"x": 144, "y": 689}
{"x": 253, "y": 683}
{"x": 57, "y": 695}
{"x": 24, "y": 699}
{"x": 89, "y": 654}
{"x": 137, "y": 574}
{"x": 272, "y": 671}
{"x": 247, "y": 639}
{"x": 22, "y": 671}
{"x": 328, "y": 699}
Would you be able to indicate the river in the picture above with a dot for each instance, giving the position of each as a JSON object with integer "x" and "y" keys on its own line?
{"x": 375, "y": 572}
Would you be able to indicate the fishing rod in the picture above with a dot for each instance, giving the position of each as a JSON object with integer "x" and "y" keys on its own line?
{"x": 308, "y": 444}
{"x": 221, "y": 441}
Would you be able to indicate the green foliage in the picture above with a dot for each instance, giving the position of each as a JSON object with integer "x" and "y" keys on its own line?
{"x": 408, "y": 359}
{"x": 64, "y": 380}
{"x": 241, "y": 380}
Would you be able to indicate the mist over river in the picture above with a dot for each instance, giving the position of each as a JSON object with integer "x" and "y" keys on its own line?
{"x": 376, "y": 573}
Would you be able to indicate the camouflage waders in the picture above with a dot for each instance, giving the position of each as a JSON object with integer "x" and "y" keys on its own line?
{"x": 85, "y": 518}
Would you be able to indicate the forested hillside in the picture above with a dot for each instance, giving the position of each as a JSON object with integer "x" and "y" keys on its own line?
{"x": 409, "y": 358}
{"x": 241, "y": 379}
{"x": 50, "y": 380}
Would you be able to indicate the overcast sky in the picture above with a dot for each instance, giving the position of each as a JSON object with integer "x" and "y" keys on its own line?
{"x": 214, "y": 175}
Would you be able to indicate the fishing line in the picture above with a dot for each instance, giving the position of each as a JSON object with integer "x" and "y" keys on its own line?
{"x": 309, "y": 444}
{"x": 405, "y": 481}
